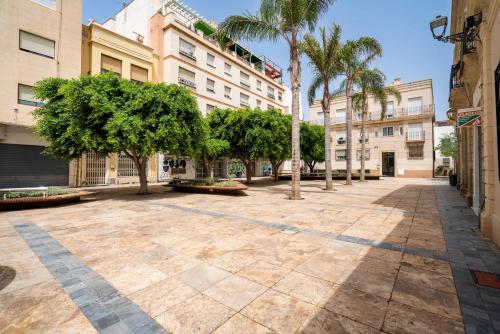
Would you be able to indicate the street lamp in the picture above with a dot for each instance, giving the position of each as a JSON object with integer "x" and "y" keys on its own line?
{"x": 437, "y": 23}
{"x": 467, "y": 37}
{"x": 450, "y": 114}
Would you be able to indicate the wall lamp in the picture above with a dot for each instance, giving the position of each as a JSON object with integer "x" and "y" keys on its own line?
{"x": 467, "y": 37}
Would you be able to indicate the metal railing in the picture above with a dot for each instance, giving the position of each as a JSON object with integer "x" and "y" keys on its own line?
{"x": 415, "y": 135}
{"x": 402, "y": 112}
{"x": 187, "y": 82}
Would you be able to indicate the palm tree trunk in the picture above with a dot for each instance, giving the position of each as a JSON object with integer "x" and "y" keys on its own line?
{"x": 328, "y": 149}
{"x": 348, "y": 116}
{"x": 363, "y": 144}
{"x": 295, "y": 81}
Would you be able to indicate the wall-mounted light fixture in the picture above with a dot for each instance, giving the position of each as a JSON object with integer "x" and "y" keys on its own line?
{"x": 467, "y": 37}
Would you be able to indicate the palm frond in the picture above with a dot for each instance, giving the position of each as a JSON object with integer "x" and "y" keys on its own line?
{"x": 316, "y": 83}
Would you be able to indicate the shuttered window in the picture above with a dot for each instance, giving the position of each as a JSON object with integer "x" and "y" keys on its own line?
{"x": 138, "y": 74}
{"x": 36, "y": 44}
{"x": 244, "y": 100}
{"x": 187, "y": 78}
{"x": 110, "y": 64}
{"x": 26, "y": 96}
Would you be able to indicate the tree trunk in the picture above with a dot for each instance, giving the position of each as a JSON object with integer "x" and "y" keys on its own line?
{"x": 295, "y": 74}
{"x": 211, "y": 169}
{"x": 276, "y": 166}
{"x": 328, "y": 148}
{"x": 143, "y": 178}
{"x": 348, "y": 116}
{"x": 363, "y": 144}
{"x": 310, "y": 165}
{"x": 248, "y": 171}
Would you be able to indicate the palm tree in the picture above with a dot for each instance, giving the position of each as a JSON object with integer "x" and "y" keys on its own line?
{"x": 322, "y": 55}
{"x": 353, "y": 58}
{"x": 287, "y": 19}
{"x": 371, "y": 82}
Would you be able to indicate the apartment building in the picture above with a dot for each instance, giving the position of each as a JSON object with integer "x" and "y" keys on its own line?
{"x": 400, "y": 144}
{"x": 441, "y": 162}
{"x": 475, "y": 95}
{"x": 39, "y": 39}
{"x": 188, "y": 55}
{"x": 106, "y": 51}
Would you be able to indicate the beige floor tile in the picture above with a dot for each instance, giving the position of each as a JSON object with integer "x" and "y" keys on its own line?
{"x": 264, "y": 273}
{"x": 235, "y": 292}
{"x": 203, "y": 276}
{"x": 326, "y": 322}
{"x": 199, "y": 314}
{"x": 306, "y": 288}
{"x": 426, "y": 278}
{"x": 404, "y": 319}
{"x": 278, "y": 311}
{"x": 437, "y": 266}
{"x": 240, "y": 324}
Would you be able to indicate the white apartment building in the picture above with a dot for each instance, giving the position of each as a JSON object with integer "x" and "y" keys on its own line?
{"x": 39, "y": 39}
{"x": 189, "y": 55}
{"x": 399, "y": 144}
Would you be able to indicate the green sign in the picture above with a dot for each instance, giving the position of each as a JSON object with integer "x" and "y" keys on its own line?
{"x": 469, "y": 118}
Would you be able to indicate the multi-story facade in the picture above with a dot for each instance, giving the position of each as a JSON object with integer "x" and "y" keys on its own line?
{"x": 188, "y": 54}
{"x": 39, "y": 39}
{"x": 475, "y": 88}
{"x": 442, "y": 163}
{"x": 399, "y": 144}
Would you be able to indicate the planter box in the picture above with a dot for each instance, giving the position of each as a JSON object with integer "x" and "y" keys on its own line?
{"x": 193, "y": 188}
{"x": 37, "y": 202}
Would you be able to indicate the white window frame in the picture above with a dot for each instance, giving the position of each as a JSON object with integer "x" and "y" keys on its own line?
{"x": 228, "y": 69}
{"x": 211, "y": 83}
{"x": 227, "y": 92}
{"x": 188, "y": 50}
{"x": 339, "y": 158}
{"x": 210, "y": 57}
{"x": 384, "y": 134}
{"x": 244, "y": 100}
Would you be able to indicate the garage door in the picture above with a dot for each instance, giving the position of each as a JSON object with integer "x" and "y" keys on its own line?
{"x": 25, "y": 166}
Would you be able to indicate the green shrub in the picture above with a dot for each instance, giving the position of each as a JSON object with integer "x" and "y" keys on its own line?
{"x": 52, "y": 191}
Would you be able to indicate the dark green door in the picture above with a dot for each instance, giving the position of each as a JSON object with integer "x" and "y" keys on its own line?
{"x": 388, "y": 163}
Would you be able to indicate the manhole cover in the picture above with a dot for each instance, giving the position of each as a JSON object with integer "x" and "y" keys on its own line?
{"x": 490, "y": 280}
{"x": 7, "y": 275}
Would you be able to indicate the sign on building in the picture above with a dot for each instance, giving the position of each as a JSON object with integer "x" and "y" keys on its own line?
{"x": 469, "y": 117}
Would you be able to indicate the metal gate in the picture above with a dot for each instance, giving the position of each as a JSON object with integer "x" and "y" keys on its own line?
{"x": 95, "y": 169}
{"x": 126, "y": 166}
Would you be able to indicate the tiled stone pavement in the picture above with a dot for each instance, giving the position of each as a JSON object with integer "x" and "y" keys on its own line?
{"x": 368, "y": 258}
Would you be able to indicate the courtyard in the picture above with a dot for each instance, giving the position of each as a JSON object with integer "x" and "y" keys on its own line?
{"x": 382, "y": 256}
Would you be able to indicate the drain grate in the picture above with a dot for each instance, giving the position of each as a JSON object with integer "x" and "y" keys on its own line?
{"x": 483, "y": 278}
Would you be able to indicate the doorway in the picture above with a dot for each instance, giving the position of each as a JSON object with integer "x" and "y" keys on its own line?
{"x": 388, "y": 163}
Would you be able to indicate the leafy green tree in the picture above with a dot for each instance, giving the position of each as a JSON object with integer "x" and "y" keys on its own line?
{"x": 106, "y": 114}
{"x": 448, "y": 145}
{"x": 287, "y": 19}
{"x": 278, "y": 148}
{"x": 371, "y": 82}
{"x": 245, "y": 131}
{"x": 312, "y": 144}
{"x": 212, "y": 148}
{"x": 322, "y": 59}
{"x": 353, "y": 57}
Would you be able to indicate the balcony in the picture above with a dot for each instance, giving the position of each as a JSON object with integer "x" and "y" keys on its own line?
{"x": 400, "y": 113}
{"x": 341, "y": 141}
{"x": 415, "y": 136}
{"x": 187, "y": 83}
{"x": 271, "y": 96}
{"x": 188, "y": 54}
{"x": 245, "y": 83}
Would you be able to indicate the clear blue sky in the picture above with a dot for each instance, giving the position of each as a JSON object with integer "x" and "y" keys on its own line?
{"x": 401, "y": 26}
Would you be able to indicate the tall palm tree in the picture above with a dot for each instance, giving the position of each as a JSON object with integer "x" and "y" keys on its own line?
{"x": 322, "y": 60}
{"x": 371, "y": 82}
{"x": 353, "y": 57}
{"x": 287, "y": 19}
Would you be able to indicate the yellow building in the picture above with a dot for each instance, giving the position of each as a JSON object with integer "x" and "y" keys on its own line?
{"x": 106, "y": 51}
{"x": 475, "y": 89}
{"x": 39, "y": 39}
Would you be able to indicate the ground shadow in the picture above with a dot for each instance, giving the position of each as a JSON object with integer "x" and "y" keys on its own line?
{"x": 7, "y": 275}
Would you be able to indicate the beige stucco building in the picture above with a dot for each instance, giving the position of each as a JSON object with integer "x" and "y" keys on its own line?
{"x": 39, "y": 39}
{"x": 475, "y": 86}
{"x": 400, "y": 144}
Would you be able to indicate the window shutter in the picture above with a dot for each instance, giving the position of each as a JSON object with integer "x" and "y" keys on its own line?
{"x": 138, "y": 73}
{"x": 36, "y": 44}
{"x": 110, "y": 64}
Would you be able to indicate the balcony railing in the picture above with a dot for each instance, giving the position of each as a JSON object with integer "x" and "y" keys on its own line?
{"x": 401, "y": 112}
{"x": 187, "y": 82}
{"x": 188, "y": 54}
{"x": 415, "y": 135}
{"x": 271, "y": 96}
{"x": 245, "y": 83}
{"x": 341, "y": 141}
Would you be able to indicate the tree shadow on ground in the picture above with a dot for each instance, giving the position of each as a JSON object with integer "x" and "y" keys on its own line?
{"x": 7, "y": 275}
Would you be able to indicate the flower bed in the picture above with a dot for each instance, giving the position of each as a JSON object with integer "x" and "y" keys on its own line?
{"x": 205, "y": 186}
{"x": 21, "y": 200}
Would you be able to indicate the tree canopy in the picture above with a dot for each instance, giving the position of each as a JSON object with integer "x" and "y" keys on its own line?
{"x": 312, "y": 144}
{"x": 279, "y": 127}
{"x": 448, "y": 145}
{"x": 106, "y": 114}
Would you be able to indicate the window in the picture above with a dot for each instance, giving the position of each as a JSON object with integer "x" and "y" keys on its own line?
{"x": 244, "y": 100}
{"x": 210, "y": 60}
{"x": 201, "y": 173}
{"x": 26, "y": 96}
{"x": 227, "y": 92}
{"x": 367, "y": 136}
{"x": 126, "y": 166}
{"x": 340, "y": 136}
{"x": 388, "y": 131}
{"x": 244, "y": 79}
{"x": 138, "y": 74}
{"x": 340, "y": 116}
{"x": 280, "y": 96}
{"x": 37, "y": 45}
{"x": 187, "y": 78}
{"x": 340, "y": 155}
{"x": 415, "y": 106}
{"x": 367, "y": 154}
{"x": 389, "y": 113}
{"x": 52, "y": 4}
{"x": 259, "y": 103}
{"x": 110, "y": 64}
{"x": 186, "y": 49}
{"x": 227, "y": 69}
{"x": 375, "y": 132}
{"x": 210, "y": 86}
{"x": 259, "y": 85}
{"x": 415, "y": 151}
{"x": 401, "y": 130}
{"x": 270, "y": 92}
{"x": 270, "y": 106}
{"x": 446, "y": 162}
{"x": 177, "y": 166}
{"x": 210, "y": 108}
{"x": 415, "y": 131}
